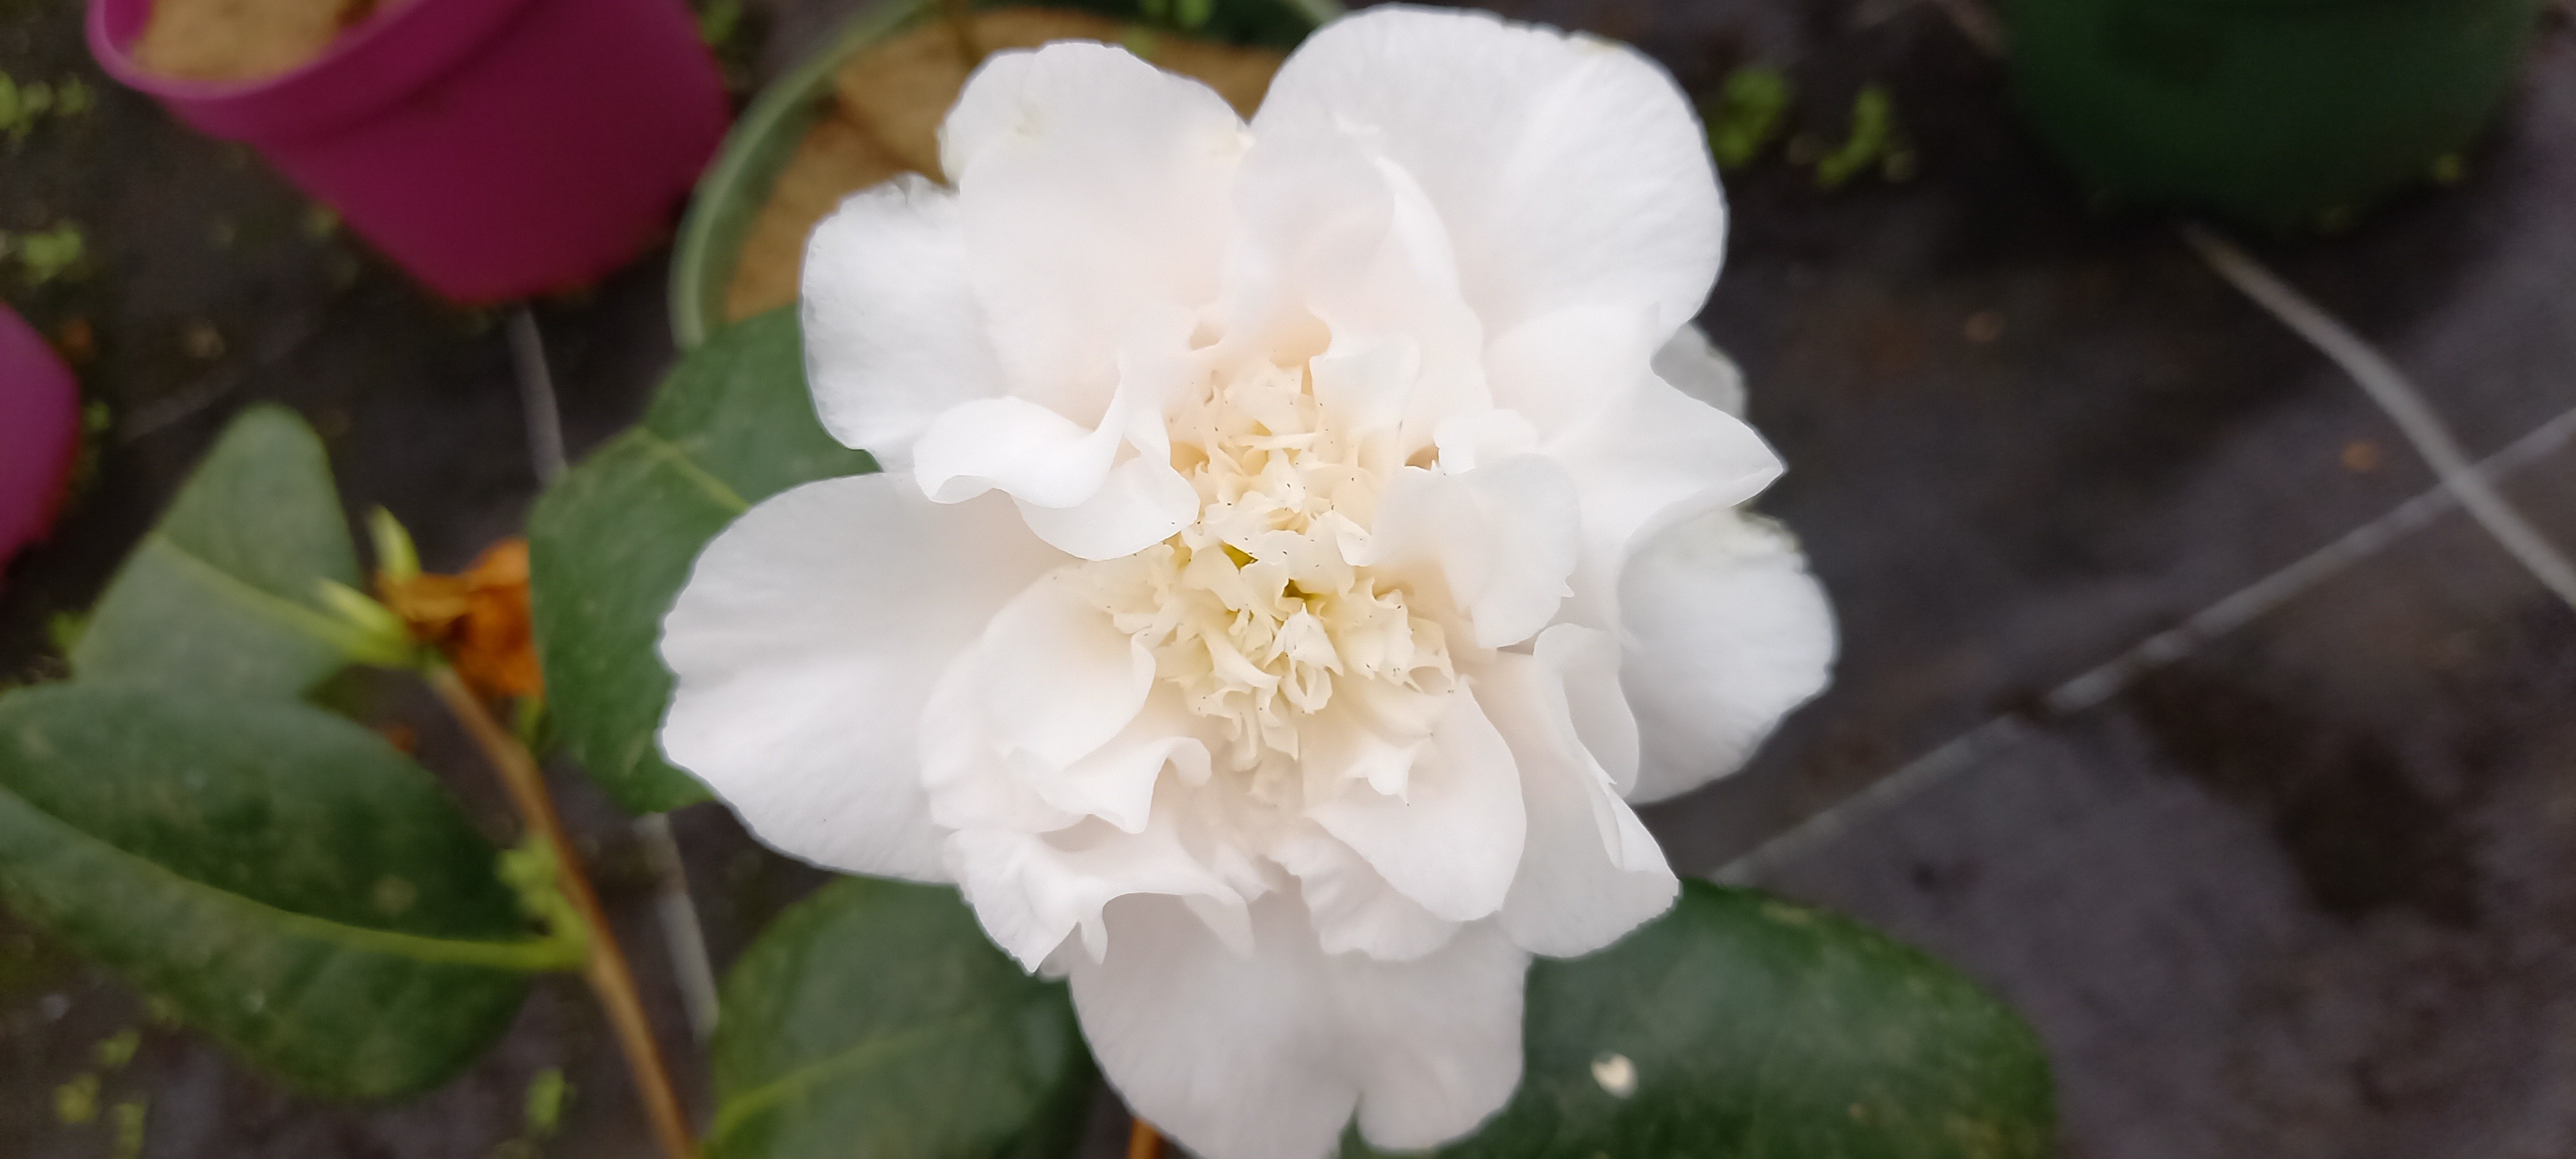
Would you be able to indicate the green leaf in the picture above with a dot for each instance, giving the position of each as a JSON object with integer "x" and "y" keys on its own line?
{"x": 224, "y": 592}
{"x": 1740, "y": 1025}
{"x": 282, "y": 876}
{"x": 874, "y": 1018}
{"x": 611, "y": 544}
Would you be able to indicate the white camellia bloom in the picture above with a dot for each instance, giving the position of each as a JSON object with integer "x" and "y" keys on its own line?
{"x": 1299, "y": 545}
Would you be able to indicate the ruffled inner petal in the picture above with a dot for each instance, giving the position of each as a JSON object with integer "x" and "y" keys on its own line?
{"x": 1452, "y": 840}
{"x": 1590, "y": 872}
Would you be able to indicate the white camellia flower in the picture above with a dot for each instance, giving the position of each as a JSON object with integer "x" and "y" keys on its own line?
{"x": 1299, "y": 545}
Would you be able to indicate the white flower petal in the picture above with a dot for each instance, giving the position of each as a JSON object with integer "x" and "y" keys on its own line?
{"x": 1451, "y": 841}
{"x": 1661, "y": 459}
{"x": 970, "y": 785}
{"x": 1033, "y": 890}
{"x": 1026, "y": 450}
{"x": 1369, "y": 733}
{"x": 1337, "y": 235}
{"x": 1591, "y": 872}
{"x": 1116, "y": 781}
{"x": 1092, "y": 187}
{"x": 1728, "y": 633}
{"x": 893, "y": 333}
{"x": 1354, "y": 909}
{"x": 1438, "y": 1039}
{"x": 1643, "y": 454}
{"x": 1647, "y": 458}
{"x": 1365, "y": 383}
{"x": 806, "y": 644}
{"x": 1266, "y": 1056}
{"x": 1696, "y": 367}
{"x": 1503, "y": 537}
{"x": 1141, "y": 503}
{"x": 1565, "y": 169}
{"x": 1059, "y": 680}
{"x": 1586, "y": 663}
{"x": 1060, "y": 472}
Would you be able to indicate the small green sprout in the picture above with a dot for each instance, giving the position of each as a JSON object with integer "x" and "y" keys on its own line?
{"x": 1140, "y": 40}
{"x": 76, "y": 1102}
{"x": 128, "y": 1118}
{"x": 23, "y": 105}
{"x": 116, "y": 1050}
{"x": 369, "y": 632}
{"x": 63, "y": 631}
{"x": 1185, "y": 15}
{"x": 547, "y": 1095}
{"x": 45, "y": 256}
{"x": 396, "y": 558}
{"x": 74, "y": 97}
{"x": 1747, "y": 114}
{"x": 1873, "y": 137}
{"x": 530, "y": 871}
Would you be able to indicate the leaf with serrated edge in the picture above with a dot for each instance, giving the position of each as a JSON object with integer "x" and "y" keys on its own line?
{"x": 611, "y": 543}
{"x": 1741, "y": 1026}
{"x": 222, "y": 593}
{"x": 874, "y": 1018}
{"x": 285, "y": 878}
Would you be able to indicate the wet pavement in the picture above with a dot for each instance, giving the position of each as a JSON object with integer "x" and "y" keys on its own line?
{"x": 2307, "y": 888}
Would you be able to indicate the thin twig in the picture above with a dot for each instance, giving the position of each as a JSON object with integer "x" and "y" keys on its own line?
{"x": 681, "y": 934}
{"x": 536, "y": 394}
{"x": 1143, "y": 1141}
{"x": 2398, "y": 398}
{"x": 606, "y": 969}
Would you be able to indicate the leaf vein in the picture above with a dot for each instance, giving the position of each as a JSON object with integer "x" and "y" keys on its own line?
{"x": 524, "y": 955}
{"x": 679, "y": 459}
{"x": 882, "y": 1049}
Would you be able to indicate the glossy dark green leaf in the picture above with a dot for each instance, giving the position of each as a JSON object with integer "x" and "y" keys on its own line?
{"x": 222, "y": 592}
{"x": 875, "y": 1019}
{"x": 611, "y": 544}
{"x": 1740, "y": 1026}
{"x": 291, "y": 883}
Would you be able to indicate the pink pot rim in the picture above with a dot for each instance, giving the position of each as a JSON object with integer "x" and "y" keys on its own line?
{"x": 370, "y": 67}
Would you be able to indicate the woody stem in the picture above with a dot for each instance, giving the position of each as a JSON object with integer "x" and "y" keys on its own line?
{"x": 605, "y": 967}
{"x": 1143, "y": 1141}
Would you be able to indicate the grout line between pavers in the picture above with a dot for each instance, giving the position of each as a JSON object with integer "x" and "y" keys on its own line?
{"x": 683, "y": 935}
{"x": 2104, "y": 681}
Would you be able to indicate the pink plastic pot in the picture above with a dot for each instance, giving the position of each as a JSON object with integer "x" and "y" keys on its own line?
{"x": 495, "y": 148}
{"x": 39, "y": 433}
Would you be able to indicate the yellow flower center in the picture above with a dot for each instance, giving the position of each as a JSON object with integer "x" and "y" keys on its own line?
{"x": 1253, "y": 612}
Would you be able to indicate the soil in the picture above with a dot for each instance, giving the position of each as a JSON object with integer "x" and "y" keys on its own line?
{"x": 884, "y": 117}
{"x": 243, "y": 40}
